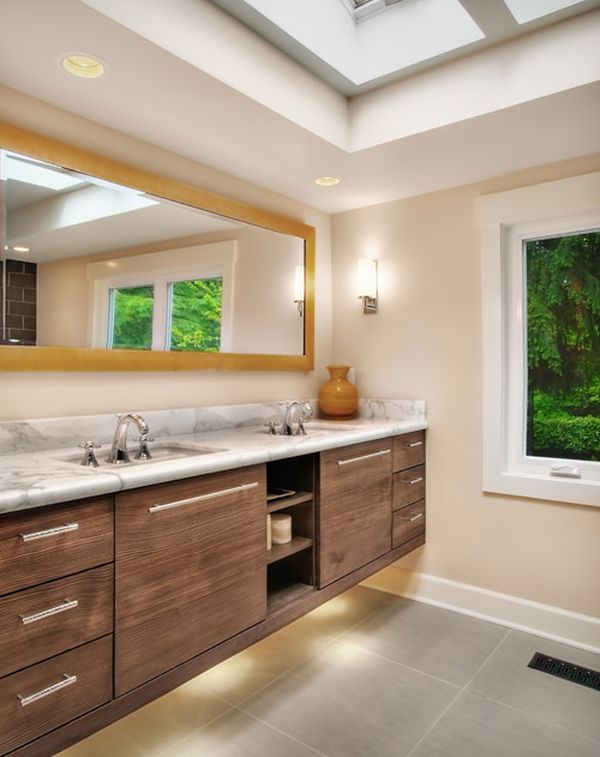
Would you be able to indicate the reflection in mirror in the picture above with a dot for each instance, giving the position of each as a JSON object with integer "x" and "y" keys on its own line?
{"x": 89, "y": 263}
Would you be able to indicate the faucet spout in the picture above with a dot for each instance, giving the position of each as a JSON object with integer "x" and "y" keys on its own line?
{"x": 119, "y": 453}
{"x": 296, "y": 408}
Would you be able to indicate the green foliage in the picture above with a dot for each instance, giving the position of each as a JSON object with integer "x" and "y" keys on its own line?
{"x": 562, "y": 436}
{"x": 132, "y": 314}
{"x": 563, "y": 311}
{"x": 563, "y": 346}
{"x": 196, "y": 315}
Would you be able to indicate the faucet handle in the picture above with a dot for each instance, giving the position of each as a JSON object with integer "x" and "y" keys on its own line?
{"x": 89, "y": 456}
{"x": 143, "y": 452}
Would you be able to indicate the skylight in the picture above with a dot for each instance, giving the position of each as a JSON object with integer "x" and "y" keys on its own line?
{"x": 37, "y": 173}
{"x": 528, "y": 10}
{"x": 360, "y": 9}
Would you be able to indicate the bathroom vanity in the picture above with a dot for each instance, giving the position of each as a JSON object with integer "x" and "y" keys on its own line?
{"x": 109, "y": 601}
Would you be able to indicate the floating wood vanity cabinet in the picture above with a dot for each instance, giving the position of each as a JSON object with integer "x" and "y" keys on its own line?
{"x": 409, "y": 488}
{"x": 190, "y": 569}
{"x": 56, "y": 617}
{"x": 355, "y": 500}
{"x": 176, "y": 577}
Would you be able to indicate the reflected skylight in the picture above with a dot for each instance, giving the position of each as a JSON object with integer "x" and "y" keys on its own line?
{"x": 528, "y": 10}
{"x": 37, "y": 173}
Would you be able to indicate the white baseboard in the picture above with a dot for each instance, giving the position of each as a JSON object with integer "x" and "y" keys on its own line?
{"x": 582, "y": 631}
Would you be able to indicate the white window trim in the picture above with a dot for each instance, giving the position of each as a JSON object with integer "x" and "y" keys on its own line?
{"x": 506, "y": 219}
{"x": 160, "y": 270}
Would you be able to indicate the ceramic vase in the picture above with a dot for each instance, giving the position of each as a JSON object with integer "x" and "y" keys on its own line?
{"x": 338, "y": 397}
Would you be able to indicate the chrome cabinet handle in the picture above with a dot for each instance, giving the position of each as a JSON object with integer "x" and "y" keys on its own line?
{"x": 413, "y": 518}
{"x": 412, "y": 481}
{"x": 363, "y": 457}
{"x": 66, "y": 605}
{"x": 202, "y": 497}
{"x": 67, "y": 680}
{"x": 56, "y": 531}
{"x": 413, "y": 444}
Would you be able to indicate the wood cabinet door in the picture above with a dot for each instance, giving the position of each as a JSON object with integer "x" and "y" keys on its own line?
{"x": 190, "y": 569}
{"x": 355, "y": 505}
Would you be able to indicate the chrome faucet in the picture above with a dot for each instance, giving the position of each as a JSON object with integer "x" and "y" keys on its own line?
{"x": 304, "y": 411}
{"x": 119, "y": 454}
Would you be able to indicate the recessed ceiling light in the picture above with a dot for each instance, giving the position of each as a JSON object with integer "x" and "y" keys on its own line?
{"x": 83, "y": 65}
{"x": 327, "y": 181}
{"x": 20, "y": 248}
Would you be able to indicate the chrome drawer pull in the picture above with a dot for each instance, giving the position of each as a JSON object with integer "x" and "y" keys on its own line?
{"x": 413, "y": 444}
{"x": 412, "y": 481}
{"x": 66, "y": 681}
{"x": 50, "y": 532}
{"x": 66, "y": 605}
{"x": 202, "y": 497}
{"x": 363, "y": 457}
{"x": 413, "y": 518}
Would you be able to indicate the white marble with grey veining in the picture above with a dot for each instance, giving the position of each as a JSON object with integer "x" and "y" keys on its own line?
{"x": 34, "y": 473}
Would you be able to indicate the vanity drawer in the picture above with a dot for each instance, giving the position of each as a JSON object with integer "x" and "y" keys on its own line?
{"x": 408, "y": 450}
{"x": 51, "y": 542}
{"x": 43, "y": 621}
{"x": 409, "y": 486}
{"x": 46, "y": 695}
{"x": 408, "y": 523}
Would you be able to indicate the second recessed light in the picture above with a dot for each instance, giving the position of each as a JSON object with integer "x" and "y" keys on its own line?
{"x": 83, "y": 66}
{"x": 327, "y": 181}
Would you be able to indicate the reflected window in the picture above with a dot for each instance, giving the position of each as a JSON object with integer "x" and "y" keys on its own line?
{"x": 130, "y": 318}
{"x": 195, "y": 315}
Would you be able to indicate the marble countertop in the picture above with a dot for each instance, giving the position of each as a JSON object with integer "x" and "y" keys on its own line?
{"x": 35, "y": 477}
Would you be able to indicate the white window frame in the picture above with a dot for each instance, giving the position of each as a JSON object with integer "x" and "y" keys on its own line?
{"x": 507, "y": 219}
{"x": 159, "y": 270}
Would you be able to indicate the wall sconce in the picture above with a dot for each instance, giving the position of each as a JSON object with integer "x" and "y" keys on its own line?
{"x": 299, "y": 288}
{"x": 367, "y": 284}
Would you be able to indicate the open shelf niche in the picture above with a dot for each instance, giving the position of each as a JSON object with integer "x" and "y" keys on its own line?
{"x": 291, "y": 566}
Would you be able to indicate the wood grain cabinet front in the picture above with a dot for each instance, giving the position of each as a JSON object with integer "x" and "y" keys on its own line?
{"x": 355, "y": 502}
{"x": 45, "y": 620}
{"x": 50, "y": 542}
{"x": 44, "y": 696}
{"x": 190, "y": 569}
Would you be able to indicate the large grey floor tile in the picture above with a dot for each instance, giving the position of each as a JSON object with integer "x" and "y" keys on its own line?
{"x": 506, "y": 678}
{"x": 345, "y": 702}
{"x": 435, "y": 641}
{"x": 250, "y": 670}
{"x": 153, "y": 728}
{"x": 238, "y": 735}
{"x": 475, "y": 726}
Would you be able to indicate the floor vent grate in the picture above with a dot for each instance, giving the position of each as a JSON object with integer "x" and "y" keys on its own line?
{"x": 566, "y": 670}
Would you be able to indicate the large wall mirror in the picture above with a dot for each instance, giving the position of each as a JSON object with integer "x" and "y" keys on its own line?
{"x": 105, "y": 267}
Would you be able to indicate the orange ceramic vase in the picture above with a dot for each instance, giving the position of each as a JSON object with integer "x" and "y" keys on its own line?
{"x": 338, "y": 397}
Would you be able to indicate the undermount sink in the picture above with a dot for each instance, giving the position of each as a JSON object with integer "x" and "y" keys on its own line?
{"x": 318, "y": 428}
{"x": 160, "y": 453}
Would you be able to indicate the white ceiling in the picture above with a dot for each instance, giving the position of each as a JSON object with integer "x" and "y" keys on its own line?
{"x": 186, "y": 76}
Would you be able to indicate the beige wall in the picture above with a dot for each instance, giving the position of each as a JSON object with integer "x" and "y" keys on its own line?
{"x": 425, "y": 342}
{"x": 32, "y": 395}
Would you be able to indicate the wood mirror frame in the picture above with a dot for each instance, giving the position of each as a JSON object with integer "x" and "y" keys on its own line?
{"x": 28, "y": 358}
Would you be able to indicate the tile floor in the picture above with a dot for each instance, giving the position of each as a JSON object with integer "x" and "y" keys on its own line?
{"x": 370, "y": 674}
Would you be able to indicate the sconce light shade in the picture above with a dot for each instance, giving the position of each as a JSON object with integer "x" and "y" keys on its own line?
{"x": 299, "y": 288}
{"x": 367, "y": 284}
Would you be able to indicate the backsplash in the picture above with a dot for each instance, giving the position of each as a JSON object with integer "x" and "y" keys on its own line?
{"x": 57, "y": 433}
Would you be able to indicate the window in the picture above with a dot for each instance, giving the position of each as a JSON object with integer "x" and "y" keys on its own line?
{"x": 130, "y": 318}
{"x": 177, "y": 299}
{"x": 563, "y": 346}
{"x": 541, "y": 332}
{"x": 191, "y": 323}
{"x": 195, "y": 315}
